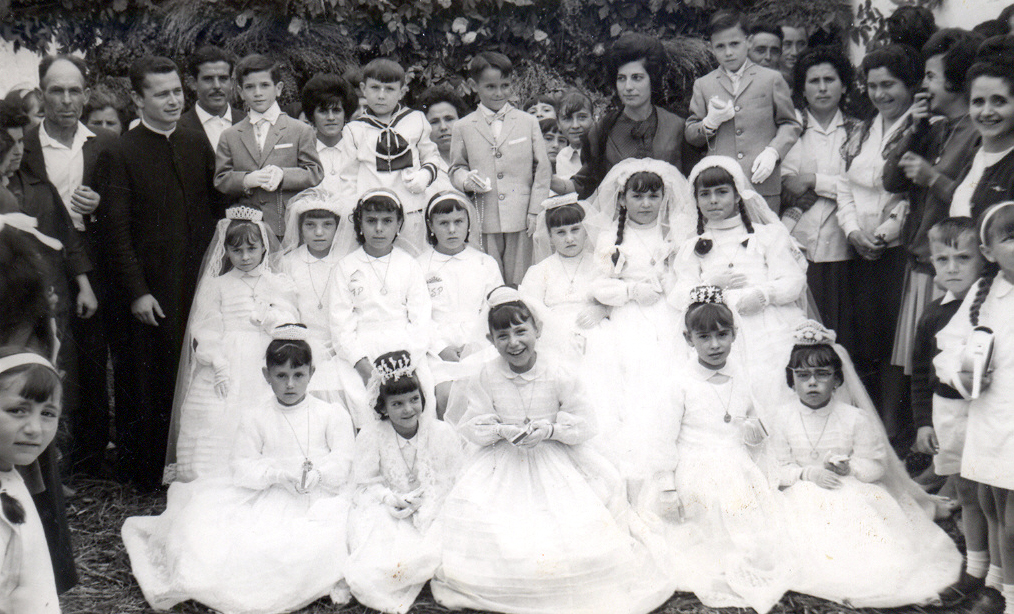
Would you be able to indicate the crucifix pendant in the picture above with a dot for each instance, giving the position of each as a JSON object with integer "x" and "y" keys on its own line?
{"x": 727, "y": 418}
{"x": 307, "y": 468}
{"x": 383, "y": 291}
{"x": 320, "y": 305}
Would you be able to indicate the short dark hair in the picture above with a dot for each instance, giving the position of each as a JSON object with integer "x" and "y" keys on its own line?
{"x": 766, "y": 27}
{"x": 437, "y": 94}
{"x": 256, "y": 62}
{"x": 149, "y": 65}
{"x": 709, "y": 317}
{"x": 902, "y": 61}
{"x": 949, "y": 230}
{"x": 442, "y": 204}
{"x": 490, "y": 59}
{"x": 1006, "y": 14}
{"x": 101, "y": 98}
{"x": 295, "y": 352}
{"x": 958, "y": 49}
{"x": 508, "y": 314}
{"x": 548, "y": 124}
{"x": 12, "y": 116}
{"x": 40, "y": 382}
{"x": 995, "y": 58}
{"x": 725, "y": 20}
{"x": 384, "y": 71}
{"x": 536, "y": 99}
{"x": 810, "y": 356}
{"x": 375, "y": 203}
{"x": 991, "y": 28}
{"x": 328, "y": 91}
{"x": 564, "y": 215}
{"x": 634, "y": 47}
{"x": 49, "y": 60}
{"x": 824, "y": 54}
{"x": 208, "y": 54}
{"x": 239, "y": 233}
{"x": 911, "y": 25}
{"x": 573, "y": 101}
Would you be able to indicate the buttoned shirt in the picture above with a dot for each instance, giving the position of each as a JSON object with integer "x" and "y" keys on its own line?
{"x": 214, "y": 125}
{"x": 494, "y": 118}
{"x": 260, "y": 128}
{"x": 65, "y": 166}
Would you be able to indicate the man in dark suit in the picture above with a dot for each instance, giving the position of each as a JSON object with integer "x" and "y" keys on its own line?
{"x": 157, "y": 217}
{"x": 62, "y": 151}
{"x": 210, "y": 76}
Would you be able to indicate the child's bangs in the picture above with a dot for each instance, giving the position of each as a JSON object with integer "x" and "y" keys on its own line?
{"x": 572, "y": 103}
{"x": 39, "y": 383}
{"x": 381, "y": 203}
{"x": 566, "y": 215}
{"x": 447, "y": 205}
{"x": 713, "y": 177}
{"x": 318, "y": 214}
{"x": 509, "y": 314}
{"x": 709, "y": 318}
{"x": 1000, "y": 225}
{"x": 241, "y": 233}
{"x": 400, "y": 385}
{"x": 814, "y": 357}
{"x": 295, "y": 353}
{"x": 951, "y": 231}
{"x": 644, "y": 181}
{"x": 384, "y": 71}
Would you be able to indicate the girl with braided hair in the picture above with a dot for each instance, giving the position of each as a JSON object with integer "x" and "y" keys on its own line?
{"x": 742, "y": 248}
{"x": 987, "y": 312}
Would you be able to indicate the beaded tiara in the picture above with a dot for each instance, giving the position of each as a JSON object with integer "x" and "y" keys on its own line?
{"x": 387, "y": 368}
{"x": 812, "y": 332}
{"x": 290, "y": 332}
{"x": 243, "y": 212}
{"x": 707, "y": 294}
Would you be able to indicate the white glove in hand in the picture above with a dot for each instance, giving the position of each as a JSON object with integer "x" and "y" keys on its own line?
{"x": 764, "y": 164}
{"x": 719, "y": 112}
{"x": 645, "y": 293}
{"x": 475, "y": 182}
{"x": 416, "y": 180}
{"x": 821, "y": 477}
{"x": 752, "y": 301}
{"x": 508, "y": 431}
{"x": 274, "y": 179}
{"x": 540, "y": 432}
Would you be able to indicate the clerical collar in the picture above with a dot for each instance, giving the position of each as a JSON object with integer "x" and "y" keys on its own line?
{"x": 165, "y": 133}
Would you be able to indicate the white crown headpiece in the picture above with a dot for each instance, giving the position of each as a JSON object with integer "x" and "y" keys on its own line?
{"x": 243, "y": 212}
{"x": 707, "y": 294}
{"x": 812, "y": 332}
{"x": 559, "y": 201}
{"x": 387, "y": 368}
{"x": 290, "y": 332}
{"x": 501, "y": 295}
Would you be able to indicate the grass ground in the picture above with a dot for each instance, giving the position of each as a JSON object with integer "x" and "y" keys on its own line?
{"x": 98, "y": 509}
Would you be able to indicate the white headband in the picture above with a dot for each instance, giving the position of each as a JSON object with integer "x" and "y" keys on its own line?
{"x": 24, "y": 358}
{"x": 989, "y": 214}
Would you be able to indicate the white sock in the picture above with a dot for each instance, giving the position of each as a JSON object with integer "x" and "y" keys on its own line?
{"x": 1008, "y": 596}
{"x": 994, "y": 579}
{"x": 977, "y": 563}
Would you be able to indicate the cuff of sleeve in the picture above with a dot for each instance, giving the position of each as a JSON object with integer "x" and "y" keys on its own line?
{"x": 850, "y": 226}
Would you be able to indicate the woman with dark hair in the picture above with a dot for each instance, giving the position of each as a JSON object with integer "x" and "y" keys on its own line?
{"x": 328, "y": 102}
{"x": 924, "y": 165}
{"x": 822, "y": 78}
{"x": 442, "y": 106}
{"x": 108, "y": 111}
{"x": 637, "y": 127}
{"x": 871, "y": 219}
{"x": 989, "y": 178}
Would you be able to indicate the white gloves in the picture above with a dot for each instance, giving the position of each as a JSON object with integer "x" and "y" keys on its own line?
{"x": 821, "y": 477}
{"x": 719, "y": 112}
{"x": 416, "y": 180}
{"x": 475, "y": 182}
{"x": 764, "y": 165}
{"x": 645, "y": 293}
{"x": 752, "y": 301}
{"x": 267, "y": 178}
{"x": 221, "y": 368}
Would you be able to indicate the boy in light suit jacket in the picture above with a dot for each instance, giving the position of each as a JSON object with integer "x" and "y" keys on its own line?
{"x": 499, "y": 156}
{"x": 268, "y": 157}
{"x": 743, "y": 110}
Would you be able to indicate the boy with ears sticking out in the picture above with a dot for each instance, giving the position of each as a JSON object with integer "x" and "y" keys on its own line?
{"x": 268, "y": 157}
{"x": 743, "y": 110}
{"x": 498, "y": 155}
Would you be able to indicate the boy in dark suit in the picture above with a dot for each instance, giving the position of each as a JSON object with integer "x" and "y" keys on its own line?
{"x": 268, "y": 157}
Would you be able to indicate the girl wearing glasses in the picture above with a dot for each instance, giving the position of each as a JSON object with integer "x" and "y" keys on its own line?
{"x": 863, "y": 537}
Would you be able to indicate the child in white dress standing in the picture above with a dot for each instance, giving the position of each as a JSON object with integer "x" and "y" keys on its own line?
{"x": 378, "y": 300}
{"x": 863, "y": 539}
{"x": 271, "y": 537}
{"x": 723, "y": 519}
{"x": 459, "y": 277}
{"x": 404, "y": 466}
{"x": 30, "y": 395}
{"x": 309, "y": 256}
{"x": 240, "y": 297}
{"x": 640, "y": 199}
{"x": 743, "y": 248}
{"x": 527, "y": 528}
{"x": 988, "y": 456}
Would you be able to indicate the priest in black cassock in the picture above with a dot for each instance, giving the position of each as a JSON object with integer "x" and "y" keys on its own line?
{"x": 158, "y": 214}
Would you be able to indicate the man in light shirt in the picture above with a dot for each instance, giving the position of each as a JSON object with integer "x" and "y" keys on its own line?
{"x": 210, "y": 76}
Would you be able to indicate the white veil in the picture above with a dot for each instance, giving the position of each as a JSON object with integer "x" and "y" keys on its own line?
{"x": 542, "y": 247}
{"x": 345, "y": 241}
{"x": 309, "y": 200}
{"x": 213, "y": 265}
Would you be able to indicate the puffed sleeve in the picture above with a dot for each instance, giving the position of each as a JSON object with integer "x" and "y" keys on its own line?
{"x": 533, "y": 288}
{"x": 208, "y": 326}
{"x": 367, "y": 472}
{"x": 575, "y": 421}
{"x": 786, "y": 279}
{"x": 868, "y": 451}
{"x": 335, "y": 467}
{"x": 479, "y": 423}
{"x": 250, "y": 468}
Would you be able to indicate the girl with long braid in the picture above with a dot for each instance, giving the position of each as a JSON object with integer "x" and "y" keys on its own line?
{"x": 986, "y": 320}
{"x": 742, "y": 248}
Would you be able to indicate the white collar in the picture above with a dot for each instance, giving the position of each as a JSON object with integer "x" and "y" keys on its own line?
{"x": 739, "y": 73}
{"x": 164, "y": 133}
{"x": 405, "y": 442}
{"x": 321, "y": 146}
{"x": 81, "y": 134}
{"x": 727, "y": 224}
{"x": 491, "y": 114}
{"x": 823, "y": 412}
{"x": 272, "y": 114}
{"x": 527, "y": 376}
{"x": 705, "y": 374}
{"x": 836, "y": 122}
{"x": 203, "y": 116}
{"x": 948, "y": 298}
{"x": 309, "y": 258}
